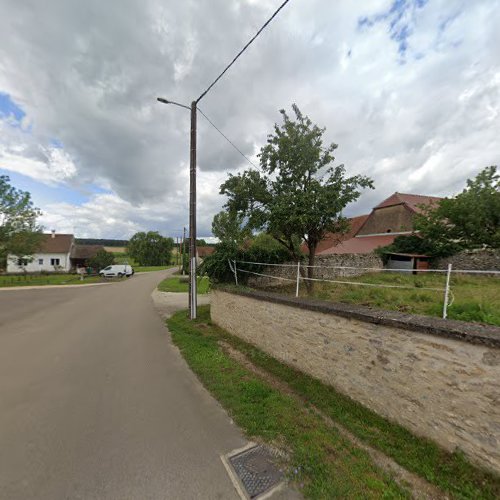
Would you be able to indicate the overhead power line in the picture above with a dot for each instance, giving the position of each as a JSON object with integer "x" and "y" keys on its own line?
{"x": 227, "y": 139}
{"x": 243, "y": 50}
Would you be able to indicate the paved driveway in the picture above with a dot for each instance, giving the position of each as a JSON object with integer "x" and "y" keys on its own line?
{"x": 96, "y": 403}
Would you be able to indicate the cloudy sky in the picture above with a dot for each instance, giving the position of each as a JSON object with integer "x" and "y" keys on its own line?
{"x": 410, "y": 90}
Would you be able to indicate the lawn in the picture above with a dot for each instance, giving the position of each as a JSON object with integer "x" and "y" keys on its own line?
{"x": 148, "y": 269}
{"x": 46, "y": 279}
{"x": 174, "y": 284}
{"x": 124, "y": 258}
{"x": 322, "y": 462}
{"x": 475, "y": 298}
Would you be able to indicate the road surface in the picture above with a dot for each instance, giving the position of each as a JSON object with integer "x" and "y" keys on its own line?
{"x": 96, "y": 403}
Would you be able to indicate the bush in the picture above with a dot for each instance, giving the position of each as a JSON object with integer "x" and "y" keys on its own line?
{"x": 101, "y": 260}
{"x": 216, "y": 266}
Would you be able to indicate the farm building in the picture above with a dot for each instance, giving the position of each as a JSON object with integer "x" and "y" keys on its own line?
{"x": 391, "y": 218}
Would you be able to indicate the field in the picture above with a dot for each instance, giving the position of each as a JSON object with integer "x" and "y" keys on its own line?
{"x": 46, "y": 279}
{"x": 474, "y": 298}
{"x": 124, "y": 258}
{"x": 116, "y": 249}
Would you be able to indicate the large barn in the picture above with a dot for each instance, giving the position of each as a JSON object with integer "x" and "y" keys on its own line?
{"x": 392, "y": 217}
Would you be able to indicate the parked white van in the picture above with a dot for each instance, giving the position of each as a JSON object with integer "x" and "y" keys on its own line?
{"x": 117, "y": 270}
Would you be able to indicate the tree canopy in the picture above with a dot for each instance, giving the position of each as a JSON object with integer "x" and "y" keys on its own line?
{"x": 296, "y": 196}
{"x": 229, "y": 227}
{"x": 19, "y": 232}
{"x": 101, "y": 260}
{"x": 468, "y": 220}
{"x": 150, "y": 249}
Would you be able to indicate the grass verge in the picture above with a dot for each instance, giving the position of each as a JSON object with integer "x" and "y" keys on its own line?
{"x": 327, "y": 464}
{"x": 46, "y": 279}
{"x": 174, "y": 284}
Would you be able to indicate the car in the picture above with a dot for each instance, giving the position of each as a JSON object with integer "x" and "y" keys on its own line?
{"x": 117, "y": 270}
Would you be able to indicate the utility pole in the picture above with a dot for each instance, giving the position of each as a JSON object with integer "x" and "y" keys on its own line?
{"x": 192, "y": 168}
{"x": 192, "y": 217}
{"x": 183, "y": 249}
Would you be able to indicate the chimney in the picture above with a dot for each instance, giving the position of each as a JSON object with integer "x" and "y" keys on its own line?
{"x": 53, "y": 233}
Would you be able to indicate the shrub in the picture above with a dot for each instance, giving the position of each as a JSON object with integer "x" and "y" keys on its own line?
{"x": 216, "y": 266}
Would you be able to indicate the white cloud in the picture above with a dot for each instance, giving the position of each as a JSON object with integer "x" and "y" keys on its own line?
{"x": 419, "y": 116}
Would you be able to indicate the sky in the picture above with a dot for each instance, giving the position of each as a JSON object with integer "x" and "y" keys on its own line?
{"x": 408, "y": 89}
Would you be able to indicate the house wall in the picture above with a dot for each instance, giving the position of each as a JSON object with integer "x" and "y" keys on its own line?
{"x": 35, "y": 267}
{"x": 437, "y": 378}
{"x": 397, "y": 218}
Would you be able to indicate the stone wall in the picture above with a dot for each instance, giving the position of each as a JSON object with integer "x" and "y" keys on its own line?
{"x": 327, "y": 271}
{"x": 438, "y": 378}
{"x": 476, "y": 260}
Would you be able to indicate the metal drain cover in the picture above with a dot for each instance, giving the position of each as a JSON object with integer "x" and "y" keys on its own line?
{"x": 256, "y": 470}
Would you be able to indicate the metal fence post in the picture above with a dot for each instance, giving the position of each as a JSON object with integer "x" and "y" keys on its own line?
{"x": 446, "y": 292}
{"x": 298, "y": 279}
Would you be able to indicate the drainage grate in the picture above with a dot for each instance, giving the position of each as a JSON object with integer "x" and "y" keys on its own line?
{"x": 256, "y": 470}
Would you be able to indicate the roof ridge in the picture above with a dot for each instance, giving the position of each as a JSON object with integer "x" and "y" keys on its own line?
{"x": 419, "y": 195}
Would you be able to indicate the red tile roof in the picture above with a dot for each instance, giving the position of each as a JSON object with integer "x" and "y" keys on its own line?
{"x": 85, "y": 251}
{"x": 347, "y": 243}
{"x": 359, "y": 244}
{"x": 412, "y": 201}
{"x": 57, "y": 243}
{"x": 332, "y": 239}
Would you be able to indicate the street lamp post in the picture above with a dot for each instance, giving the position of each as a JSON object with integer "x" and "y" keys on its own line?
{"x": 192, "y": 207}
{"x": 192, "y": 169}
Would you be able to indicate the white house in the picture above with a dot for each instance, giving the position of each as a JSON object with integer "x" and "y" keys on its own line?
{"x": 54, "y": 255}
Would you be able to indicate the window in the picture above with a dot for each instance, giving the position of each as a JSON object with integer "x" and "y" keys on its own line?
{"x": 40, "y": 262}
{"x": 55, "y": 262}
{"x": 22, "y": 262}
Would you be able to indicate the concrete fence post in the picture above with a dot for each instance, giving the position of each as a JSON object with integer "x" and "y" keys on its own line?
{"x": 298, "y": 279}
{"x": 446, "y": 292}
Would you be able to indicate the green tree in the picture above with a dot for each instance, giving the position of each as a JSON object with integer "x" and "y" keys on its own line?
{"x": 469, "y": 220}
{"x": 101, "y": 260}
{"x": 150, "y": 249}
{"x": 229, "y": 227}
{"x": 407, "y": 244}
{"x": 296, "y": 196}
{"x": 19, "y": 233}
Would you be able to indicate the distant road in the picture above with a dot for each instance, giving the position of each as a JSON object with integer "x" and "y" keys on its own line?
{"x": 96, "y": 403}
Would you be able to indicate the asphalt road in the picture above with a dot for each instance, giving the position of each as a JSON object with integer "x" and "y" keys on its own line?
{"x": 96, "y": 402}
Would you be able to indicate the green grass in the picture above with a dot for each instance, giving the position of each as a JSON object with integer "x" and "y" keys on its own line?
{"x": 147, "y": 269}
{"x": 46, "y": 279}
{"x": 324, "y": 464}
{"x": 124, "y": 258}
{"x": 476, "y": 298}
{"x": 450, "y": 472}
{"x": 175, "y": 285}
